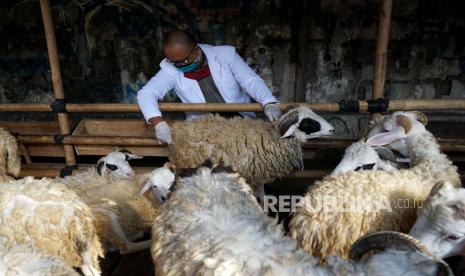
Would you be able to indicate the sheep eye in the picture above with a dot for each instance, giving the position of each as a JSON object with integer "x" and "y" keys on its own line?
{"x": 368, "y": 166}
{"x": 358, "y": 168}
{"x": 453, "y": 237}
{"x": 112, "y": 167}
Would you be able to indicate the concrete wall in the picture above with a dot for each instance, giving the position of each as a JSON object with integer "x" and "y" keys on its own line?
{"x": 107, "y": 53}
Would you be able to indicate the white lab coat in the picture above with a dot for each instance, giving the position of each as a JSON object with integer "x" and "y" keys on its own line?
{"x": 235, "y": 81}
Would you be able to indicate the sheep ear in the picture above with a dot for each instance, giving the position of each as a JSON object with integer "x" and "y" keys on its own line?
{"x": 101, "y": 168}
{"x": 385, "y": 153}
{"x": 386, "y": 138}
{"x": 290, "y": 131}
{"x": 130, "y": 155}
{"x": 439, "y": 189}
{"x": 288, "y": 121}
{"x": 148, "y": 184}
{"x": 459, "y": 209}
{"x": 143, "y": 178}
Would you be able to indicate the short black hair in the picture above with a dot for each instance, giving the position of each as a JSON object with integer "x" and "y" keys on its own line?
{"x": 179, "y": 37}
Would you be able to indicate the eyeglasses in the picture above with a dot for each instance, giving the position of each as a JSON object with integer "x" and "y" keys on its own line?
{"x": 183, "y": 62}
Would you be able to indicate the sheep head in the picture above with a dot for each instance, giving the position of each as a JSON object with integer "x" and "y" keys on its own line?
{"x": 395, "y": 128}
{"x": 363, "y": 156}
{"x": 160, "y": 181}
{"x": 304, "y": 124}
{"x": 116, "y": 163}
{"x": 371, "y": 246}
{"x": 440, "y": 224}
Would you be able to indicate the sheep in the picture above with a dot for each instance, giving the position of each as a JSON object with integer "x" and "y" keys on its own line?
{"x": 376, "y": 127}
{"x": 51, "y": 218}
{"x": 27, "y": 261}
{"x": 113, "y": 193}
{"x": 363, "y": 156}
{"x": 254, "y": 148}
{"x": 373, "y": 197}
{"x": 440, "y": 225}
{"x": 10, "y": 160}
{"x": 211, "y": 224}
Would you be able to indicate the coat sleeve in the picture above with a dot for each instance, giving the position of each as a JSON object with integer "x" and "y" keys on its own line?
{"x": 250, "y": 81}
{"x": 152, "y": 92}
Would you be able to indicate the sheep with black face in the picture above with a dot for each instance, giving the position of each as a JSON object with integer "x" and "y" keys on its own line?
{"x": 259, "y": 150}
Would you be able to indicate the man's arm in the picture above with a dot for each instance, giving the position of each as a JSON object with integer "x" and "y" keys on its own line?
{"x": 151, "y": 93}
{"x": 250, "y": 81}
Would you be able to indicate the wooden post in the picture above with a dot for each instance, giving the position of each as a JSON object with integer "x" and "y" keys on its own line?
{"x": 56, "y": 75}
{"x": 381, "y": 50}
{"x": 302, "y": 53}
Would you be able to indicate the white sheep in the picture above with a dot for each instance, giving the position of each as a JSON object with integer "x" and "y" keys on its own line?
{"x": 440, "y": 225}
{"x": 363, "y": 156}
{"x": 50, "y": 218}
{"x": 10, "y": 160}
{"x": 113, "y": 193}
{"x": 337, "y": 210}
{"x": 377, "y": 125}
{"x": 211, "y": 224}
{"x": 259, "y": 150}
{"x": 24, "y": 260}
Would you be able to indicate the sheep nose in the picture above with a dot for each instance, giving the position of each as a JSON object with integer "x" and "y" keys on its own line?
{"x": 131, "y": 174}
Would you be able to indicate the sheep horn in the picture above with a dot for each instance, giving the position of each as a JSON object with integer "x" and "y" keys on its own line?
{"x": 393, "y": 240}
{"x": 383, "y": 240}
{"x": 421, "y": 117}
{"x": 404, "y": 122}
{"x": 287, "y": 120}
{"x": 171, "y": 166}
{"x": 289, "y": 107}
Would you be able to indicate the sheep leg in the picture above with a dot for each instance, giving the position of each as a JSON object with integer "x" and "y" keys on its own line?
{"x": 124, "y": 245}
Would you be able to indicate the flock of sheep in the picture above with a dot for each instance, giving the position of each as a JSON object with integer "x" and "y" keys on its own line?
{"x": 204, "y": 208}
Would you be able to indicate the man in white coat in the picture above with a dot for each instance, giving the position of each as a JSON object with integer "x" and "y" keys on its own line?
{"x": 202, "y": 73}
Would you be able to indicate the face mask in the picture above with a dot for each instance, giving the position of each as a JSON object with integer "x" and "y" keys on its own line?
{"x": 191, "y": 67}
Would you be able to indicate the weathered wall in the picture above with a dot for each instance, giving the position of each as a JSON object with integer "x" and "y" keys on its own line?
{"x": 108, "y": 52}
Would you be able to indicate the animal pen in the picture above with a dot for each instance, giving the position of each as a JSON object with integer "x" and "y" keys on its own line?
{"x": 97, "y": 137}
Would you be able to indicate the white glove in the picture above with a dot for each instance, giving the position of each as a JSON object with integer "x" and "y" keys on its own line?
{"x": 272, "y": 111}
{"x": 163, "y": 132}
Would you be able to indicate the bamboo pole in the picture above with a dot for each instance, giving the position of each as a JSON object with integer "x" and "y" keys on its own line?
{"x": 91, "y": 140}
{"x": 446, "y": 144}
{"x": 394, "y": 105}
{"x": 302, "y": 51}
{"x": 56, "y": 75}
{"x": 384, "y": 23}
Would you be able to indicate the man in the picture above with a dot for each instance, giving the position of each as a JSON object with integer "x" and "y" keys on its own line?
{"x": 202, "y": 73}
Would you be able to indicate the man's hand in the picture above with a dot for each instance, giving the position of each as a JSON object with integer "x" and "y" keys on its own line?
{"x": 272, "y": 111}
{"x": 163, "y": 132}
